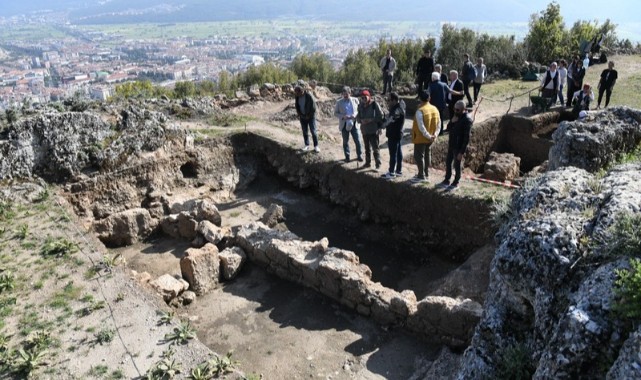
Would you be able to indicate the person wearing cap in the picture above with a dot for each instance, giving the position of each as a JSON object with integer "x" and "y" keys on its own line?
{"x": 345, "y": 110}
{"x": 306, "y": 109}
{"x": 582, "y": 99}
{"x": 459, "y": 127}
{"x": 387, "y": 65}
{"x": 424, "y": 132}
{"x": 370, "y": 116}
{"x": 393, "y": 125}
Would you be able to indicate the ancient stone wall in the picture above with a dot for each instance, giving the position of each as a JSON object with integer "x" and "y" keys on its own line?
{"x": 416, "y": 214}
{"x": 339, "y": 275}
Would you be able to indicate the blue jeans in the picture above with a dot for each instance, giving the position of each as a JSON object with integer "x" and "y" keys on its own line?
{"x": 309, "y": 126}
{"x": 395, "y": 155}
{"x": 356, "y": 135}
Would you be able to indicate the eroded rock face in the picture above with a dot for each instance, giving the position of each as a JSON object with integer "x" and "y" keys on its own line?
{"x": 550, "y": 291}
{"x": 594, "y": 143}
{"x": 231, "y": 262}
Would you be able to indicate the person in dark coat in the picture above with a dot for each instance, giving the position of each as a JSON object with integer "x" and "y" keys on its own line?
{"x": 606, "y": 84}
{"x": 393, "y": 125}
{"x": 424, "y": 69}
{"x": 306, "y": 109}
{"x": 456, "y": 93}
{"x": 459, "y": 127}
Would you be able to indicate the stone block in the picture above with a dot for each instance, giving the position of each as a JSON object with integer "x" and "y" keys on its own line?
{"x": 168, "y": 286}
{"x": 502, "y": 167}
{"x": 231, "y": 261}
{"x": 201, "y": 268}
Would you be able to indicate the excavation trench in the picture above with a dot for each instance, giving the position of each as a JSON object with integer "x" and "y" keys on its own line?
{"x": 410, "y": 237}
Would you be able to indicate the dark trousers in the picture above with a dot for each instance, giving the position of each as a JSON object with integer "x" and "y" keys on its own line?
{"x": 309, "y": 125}
{"x": 423, "y": 159}
{"x": 388, "y": 80}
{"x": 550, "y": 94}
{"x": 371, "y": 147}
{"x": 608, "y": 92}
{"x": 395, "y": 156}
{"x": 466, "y": 90}
{"x": 422, "y": 83}
{"x": 570, "y": 93}
{"x": 477, "y": 89}
{"x": 451, "y": 156}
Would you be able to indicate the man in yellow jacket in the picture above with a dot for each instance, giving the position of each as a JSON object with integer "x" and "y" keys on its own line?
{"x": 424, "y": 130}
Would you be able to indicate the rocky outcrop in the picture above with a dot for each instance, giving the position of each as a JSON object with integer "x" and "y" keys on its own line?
{"x": 595, "y": 142}
{"x": 273, "y": 215}
{"x": 57, "y": 146}
{"x": 551, "y": 291}
{"x": 339, "y": 275}
{"x": 125, "y": 228}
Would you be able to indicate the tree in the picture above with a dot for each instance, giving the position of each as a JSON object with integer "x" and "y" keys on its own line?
{"x": 360, "y": 70}
{"x": 267, "y": 73}
{"x": 406, "y": 52}
{"x": 547, "y": 37}
{"x": 455, "y": 43}
{"x": 586, "y": 31}
{"x": 184, "y": 89}
{"x": 313, "y": 66}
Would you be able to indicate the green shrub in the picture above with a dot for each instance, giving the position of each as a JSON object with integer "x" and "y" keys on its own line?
{"x": 515, "y": 364}
{"x": 58, "y": 247}
{"x": 628, "y": 291}
{"x": 625, "y": 236}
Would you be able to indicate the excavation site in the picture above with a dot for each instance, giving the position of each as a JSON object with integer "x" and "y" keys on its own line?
{"x": 300, "y": 264}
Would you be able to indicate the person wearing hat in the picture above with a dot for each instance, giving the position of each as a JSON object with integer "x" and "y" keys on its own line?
{"x": 460, "y": 126}
{"x": 306, "y": 109}
{"x": 345, "y": 110}
{"x": 424, "y": 131}
{"x": 370, "y": 116}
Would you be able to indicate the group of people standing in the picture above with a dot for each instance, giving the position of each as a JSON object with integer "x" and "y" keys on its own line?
{"x": 579, "y": 94}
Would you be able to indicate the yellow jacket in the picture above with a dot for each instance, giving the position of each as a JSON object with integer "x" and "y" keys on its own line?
{"x": 431, "y": 121}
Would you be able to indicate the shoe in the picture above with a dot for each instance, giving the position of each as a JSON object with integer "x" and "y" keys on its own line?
{"x": 305, "y": 148}
{"x": 388, "y": 175}
{"x": 417, "y": 179}
{"x": 453, "y": 186}
{"x": 367, "y": 165}
{"x": 445, "y": 183}
{"x": 399, "y": 174}
{"x": 359, "y": 159}
{"x": 316, "y": 149}
{"x": 378, "y": 166}
{"x": 346, "y": 159}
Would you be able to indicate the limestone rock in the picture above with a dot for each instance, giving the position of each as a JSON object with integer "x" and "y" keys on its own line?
{"x": 273, "y": 215}
{"x": 142, "y": 278}
{"x": 628, "y": 363}
{"x": 212, "y": 233}
{"x": 186, "y": 226}
{"x": 502, "y": 167}
{"x": 594, "y": 144}
{"x": 231, "y": 261}
{"x": 125, "y": 228}
{"x": 198, "y": 209}
{"x": 201, "y": 268}
{"x": 188, "y": 297}
{"x": 168, "y": 286}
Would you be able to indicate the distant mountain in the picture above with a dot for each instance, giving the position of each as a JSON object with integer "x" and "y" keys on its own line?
{"x": 134, "y": 11}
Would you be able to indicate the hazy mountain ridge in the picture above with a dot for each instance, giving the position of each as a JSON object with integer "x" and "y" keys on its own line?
{"x": 123, "y": 11}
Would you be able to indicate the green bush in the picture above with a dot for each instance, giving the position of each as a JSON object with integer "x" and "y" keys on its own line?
{"x": 628, "y": 291}
{"x": 516, "y": 364}
{"x": 625, "y": 236}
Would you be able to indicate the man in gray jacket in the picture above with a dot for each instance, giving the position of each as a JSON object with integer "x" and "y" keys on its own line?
{"x": 370, "y": 116}
{"x": 346, "y": 110}
{"x": 388, "y": 65}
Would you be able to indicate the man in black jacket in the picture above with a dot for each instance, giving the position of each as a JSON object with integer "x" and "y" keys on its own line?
{"x": 459, "y": 126}
{"x": 424, "y": 70}
{"x": 306, "y": 110}
{"x": 606, "y": 83}
{"x": 393, "y": 125}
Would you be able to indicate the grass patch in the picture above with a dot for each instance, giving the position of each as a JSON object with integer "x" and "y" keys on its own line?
{"x": 628, "y": 291}
{"x": 625, "y": 236}
{"x": 516, "y": 364}
{"x": 61, "y": 299}
{"x": 58, "y": 247}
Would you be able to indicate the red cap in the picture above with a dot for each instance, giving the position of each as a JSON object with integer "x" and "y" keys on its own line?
{"x": 365, "y": 93}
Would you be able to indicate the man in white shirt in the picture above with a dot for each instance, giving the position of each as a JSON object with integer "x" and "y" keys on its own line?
{"x": 345, "y": 110}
